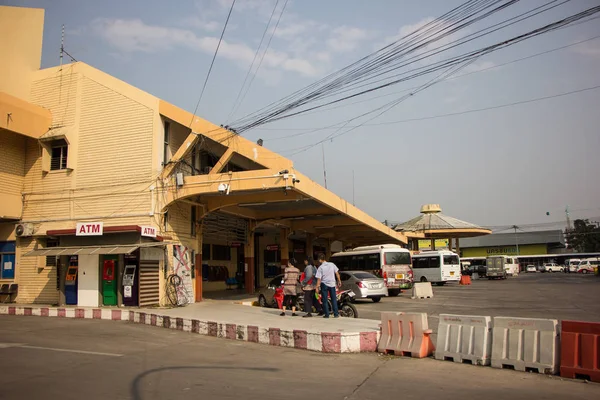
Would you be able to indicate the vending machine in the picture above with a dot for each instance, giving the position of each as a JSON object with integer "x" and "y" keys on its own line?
{"x": 71, "y": 281}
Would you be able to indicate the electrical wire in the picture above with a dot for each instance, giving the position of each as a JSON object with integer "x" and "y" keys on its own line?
{"x": 235, "y": 103}
{"x": 212, "y": 63}
{"x": 263, "y": 55}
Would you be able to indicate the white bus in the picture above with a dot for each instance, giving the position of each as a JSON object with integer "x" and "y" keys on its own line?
{"x": 436, "y": 267}
{"x": 388, "y": 261}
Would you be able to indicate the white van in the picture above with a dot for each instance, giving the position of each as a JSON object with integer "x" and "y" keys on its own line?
{"x": 588, "y": 265}
{"x": 388, "y": 261}
{"x": 572, "y": 264}
{"x": 436, "y": 267}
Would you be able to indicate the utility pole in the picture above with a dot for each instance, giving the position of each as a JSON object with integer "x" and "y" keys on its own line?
{"x": 353, "y": 203}
{"x": 516, "y": 238}
{"x": 324, "y": 170}
{"x": 568, "y": 218}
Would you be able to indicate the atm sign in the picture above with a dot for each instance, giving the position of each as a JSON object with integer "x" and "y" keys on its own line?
{"x": 89, "y": 229}
{"x": 148, "y": 231}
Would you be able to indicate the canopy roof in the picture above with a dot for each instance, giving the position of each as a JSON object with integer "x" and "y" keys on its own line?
{"x": 433, "y": 224}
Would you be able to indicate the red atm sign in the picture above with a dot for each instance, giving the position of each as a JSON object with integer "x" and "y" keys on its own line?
{"x": 89, "y": 229}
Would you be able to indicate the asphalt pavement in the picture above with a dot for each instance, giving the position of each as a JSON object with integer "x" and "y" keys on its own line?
{"x": 52, "y": 358}
{"x": 529, "y": 295}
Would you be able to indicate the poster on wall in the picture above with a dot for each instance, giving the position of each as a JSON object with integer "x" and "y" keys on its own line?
{"x": 182, "y": 267}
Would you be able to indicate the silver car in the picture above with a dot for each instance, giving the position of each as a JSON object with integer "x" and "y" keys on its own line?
{"x": 364, "y": 285}
{"x": 265, "y": 295}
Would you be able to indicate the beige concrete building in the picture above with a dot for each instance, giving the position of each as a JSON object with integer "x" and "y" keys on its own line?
{"x": 111, "y": 196}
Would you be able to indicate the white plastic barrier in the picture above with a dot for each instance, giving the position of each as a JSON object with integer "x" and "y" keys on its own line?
{"x": 526, "y": 344}
{"x": 422, "y": 290}
{"x": 464, "y": 338}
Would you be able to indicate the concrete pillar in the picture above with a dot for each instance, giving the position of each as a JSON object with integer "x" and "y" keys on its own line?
{"x": 432, "y": 243}
{"x": 309, "y": 245}
{"x": 450, "y": 244}
{"x": 249, "y": 267}
{"x": 285, "y": 247}
{"x": 198, "y": 261}
{"x": 457, "y": 247}
{"x": 328, "y": 249}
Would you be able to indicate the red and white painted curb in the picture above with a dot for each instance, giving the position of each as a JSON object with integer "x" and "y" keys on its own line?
{"x": 354, "y": 342}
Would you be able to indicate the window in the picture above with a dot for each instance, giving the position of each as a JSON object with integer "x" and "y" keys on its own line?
{"x": 421, "y": 262}
{"x": 364, "y": 275}
{"x": 450, "y": 260}
{"x": 221, "y": 253}
{"x": 59, "y": 150}
{"x": 434, "y": 262}
{"x": 51, "y": 261}
{"x": 397, "y": 258}
{"x": 193, "y": 221}
{"x": 205, "y": 251}
{"x": 166, "y": 221}
{"x": 342, "y": 262}
{"x": 7, "y": 260}
{"x": 344, "y": 277}
{"x": 166, "y": 155}
{"x": 373, "y": 262}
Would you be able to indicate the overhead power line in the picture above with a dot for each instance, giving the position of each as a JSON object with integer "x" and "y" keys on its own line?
{"x": 212, "y": 62}
{"x": 235, "y": 103}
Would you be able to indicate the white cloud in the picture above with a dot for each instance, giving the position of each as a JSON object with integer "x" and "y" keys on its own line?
{"x": 588, "y": 49}
{"x": 202, "y": 23}
{"x": 346, "y": 38}
{"x": 136, "y": 36}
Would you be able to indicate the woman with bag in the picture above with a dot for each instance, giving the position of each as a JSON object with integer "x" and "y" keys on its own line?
{"x": 290, "y": 280}
{"x": 309, "y": 286}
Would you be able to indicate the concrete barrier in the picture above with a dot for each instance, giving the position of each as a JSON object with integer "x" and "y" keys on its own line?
{"x": 526, "y": 344}
{"x": 422, "y": 290}
{"x": 580, "y": 350}
{"x": 405, "y": 334}
{"x": 464, "y": 339}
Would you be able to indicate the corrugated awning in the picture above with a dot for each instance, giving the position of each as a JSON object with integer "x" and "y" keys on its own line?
{"x": 88, "y": 250}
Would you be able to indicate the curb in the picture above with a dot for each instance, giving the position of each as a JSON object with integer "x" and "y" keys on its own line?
{"x": 325, "y": 342}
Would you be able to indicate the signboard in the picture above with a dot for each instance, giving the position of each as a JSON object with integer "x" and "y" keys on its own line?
{"x": 149, "y": 231}
{"x": 235, "y": 244}
{"x": 299, "y": 251}
{"x": 89, "y": 229}
{"x": 439, "y": 243}
{"x": 272, "y": 247}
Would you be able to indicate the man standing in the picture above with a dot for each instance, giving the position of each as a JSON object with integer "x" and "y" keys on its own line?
{"x": 290, "y": 280}
{"x": 327, "y": 276}
{"x": 309, "y": 285}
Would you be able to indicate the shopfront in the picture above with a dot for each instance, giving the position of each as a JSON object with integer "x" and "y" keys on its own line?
{"x": 118, "y": 267}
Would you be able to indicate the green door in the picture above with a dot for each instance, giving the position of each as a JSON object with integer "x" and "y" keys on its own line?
{"x": 109, "y": 280}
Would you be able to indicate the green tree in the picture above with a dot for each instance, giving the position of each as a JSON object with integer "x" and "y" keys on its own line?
{"x": 584, "y": 237}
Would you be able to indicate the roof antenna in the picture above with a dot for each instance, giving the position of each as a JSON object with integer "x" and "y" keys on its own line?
{"x": 62, "y": 46}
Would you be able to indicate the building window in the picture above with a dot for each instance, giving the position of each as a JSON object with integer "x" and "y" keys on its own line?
{"x": 7, "y": 260}
{"x": 51, "y": 261}
{"x": 205, "y": 251}
{"x": 59, "y": 152}
{"x": 166, "y": 221}
{"x": 166, "y": 155}
{"x": 221, "y": 253}
{"x": 193, "y": 221}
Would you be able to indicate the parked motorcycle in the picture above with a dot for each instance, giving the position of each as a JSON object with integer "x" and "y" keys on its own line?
{"x": 344, "y": 300}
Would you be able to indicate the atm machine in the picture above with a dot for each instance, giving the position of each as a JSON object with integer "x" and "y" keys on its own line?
{"x": 71, "y": 282}
{"x": 130, "y": 286}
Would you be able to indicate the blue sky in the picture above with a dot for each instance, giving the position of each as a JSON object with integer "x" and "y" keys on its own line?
{"x": 504, "y": 166}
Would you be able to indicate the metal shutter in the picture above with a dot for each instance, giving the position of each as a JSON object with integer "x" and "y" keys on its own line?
{"x": 149, "y": 283}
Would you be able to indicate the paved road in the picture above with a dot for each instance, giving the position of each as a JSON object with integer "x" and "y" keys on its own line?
{"x": 533, "y": 295}
{"x": 51, "y": 358}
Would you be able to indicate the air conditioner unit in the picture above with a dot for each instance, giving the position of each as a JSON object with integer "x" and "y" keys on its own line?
{"x": 24, "y": 230}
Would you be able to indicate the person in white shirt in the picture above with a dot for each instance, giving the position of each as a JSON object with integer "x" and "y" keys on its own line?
{"x": 327, "y": 276}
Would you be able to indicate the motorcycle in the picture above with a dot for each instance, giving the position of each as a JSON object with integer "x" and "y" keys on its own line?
{"x": 344, "y": 301}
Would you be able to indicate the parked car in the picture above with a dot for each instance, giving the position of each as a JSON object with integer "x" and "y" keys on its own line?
{"x": 364, "y": 285}
{"x": 531, "y": 268}
{"x": 553, "y": 267}
{"x": 265, "y": 295}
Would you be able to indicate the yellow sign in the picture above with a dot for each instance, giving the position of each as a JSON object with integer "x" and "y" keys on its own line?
{"x": 439, "y": 244}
